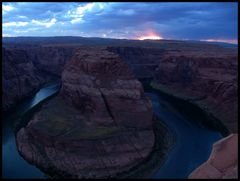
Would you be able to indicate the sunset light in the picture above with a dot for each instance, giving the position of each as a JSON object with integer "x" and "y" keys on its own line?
{"x": 150, "y": 35}
{"x": 150, "y": 38}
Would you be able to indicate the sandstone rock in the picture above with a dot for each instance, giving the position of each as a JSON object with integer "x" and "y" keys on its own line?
{"x": 223, "y": 161}
{"x": 143, "y": 61}
{"x": 210, "y": 82}
{"x": 19, "y": 79}
{"x": 25, "y": 69}
{"x": 50, "y": 59}
{"x": 98, "y": 126}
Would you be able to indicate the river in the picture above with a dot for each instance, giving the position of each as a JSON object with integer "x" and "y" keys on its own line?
{"x": 13, "y": 165}
{"x": 193, "y": 142}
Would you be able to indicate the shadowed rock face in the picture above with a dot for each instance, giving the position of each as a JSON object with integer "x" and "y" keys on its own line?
{"x": 223, "y": 161}
{"x": 98, "y": 126}
{"x": 203, "y": 74}
{"x": 210, "y": 82}
{"x": 19, "y": 79}
{"x": 26, "y": 69}
{"x": 142, "y": 61}
{"x": 51, "y": 59}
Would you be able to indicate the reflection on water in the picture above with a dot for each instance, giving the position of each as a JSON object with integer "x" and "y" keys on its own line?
{"x": 13, "y": 165}
{"x": 43, "y": 94}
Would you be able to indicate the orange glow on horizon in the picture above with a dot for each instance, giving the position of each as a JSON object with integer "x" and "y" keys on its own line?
{"x": 150, "y": 36}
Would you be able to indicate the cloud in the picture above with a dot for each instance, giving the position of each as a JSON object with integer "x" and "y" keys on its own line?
{"x": 127, "y": 20}
{"x": 76, "y": 20}
{"x": 7, "y": 7}
{"x": 15, "y": 24}
{"x": 47, "y": 24}
{"x": 126, "y": 12}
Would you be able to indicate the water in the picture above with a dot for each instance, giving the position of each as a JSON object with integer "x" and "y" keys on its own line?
{"x": 193, "y": 145}
{"x": 13, "y": 165}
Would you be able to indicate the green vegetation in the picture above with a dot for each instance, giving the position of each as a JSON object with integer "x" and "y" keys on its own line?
{"x": 59, "y": 118}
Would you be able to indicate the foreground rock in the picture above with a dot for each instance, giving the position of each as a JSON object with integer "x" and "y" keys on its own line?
{"x": 99, "y": 126}
{"x": 223, "y": 161}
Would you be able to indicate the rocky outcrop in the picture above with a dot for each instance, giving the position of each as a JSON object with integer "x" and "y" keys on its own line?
{"x": 19, "y": 79}
{"x": 143, "y": 61}
{"x": 203, "y": 74}
{"x": 208, "y": 81}
{"x": 99, "y": 125}
{"x": 223, "y": 161}
{"x": 26, "y": 69}
{"x": 51, "y": 59}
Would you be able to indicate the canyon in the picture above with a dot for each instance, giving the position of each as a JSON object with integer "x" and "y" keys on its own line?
{"x": 101, "y": 91}
{"x": 26, "y": 69}
{"x": 98, "y": 126}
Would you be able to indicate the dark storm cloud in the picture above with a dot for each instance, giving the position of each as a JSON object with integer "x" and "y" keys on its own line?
{"x": 122, "y": 20}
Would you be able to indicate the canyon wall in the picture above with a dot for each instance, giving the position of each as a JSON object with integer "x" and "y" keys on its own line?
{"x": 26, "y": 69}
{"x": 143, "y": 61}
{"x": 99, "y": 125}
{"x": 208, "y": 81}
{"x": 205, "y": 75}
{"x": 19, "y": 77}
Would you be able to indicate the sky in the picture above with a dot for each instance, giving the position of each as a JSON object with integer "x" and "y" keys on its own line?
{"x": 216, "y": 21}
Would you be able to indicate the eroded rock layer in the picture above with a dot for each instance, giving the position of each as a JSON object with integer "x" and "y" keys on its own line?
{"x": 98, "y": 126}
{"x": 223, "y": 161}
{"x": 19, "y": 77}
{"x": 25, "y": 69}
{"x": 208, "y": 80}
{"x": 203, "y": 74}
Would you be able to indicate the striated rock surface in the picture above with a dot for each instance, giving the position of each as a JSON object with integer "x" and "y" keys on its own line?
{"x": 25, "y": 69}
{"x": 51, "y": 59}
{"x": 223, "y": 161}
{"x": 99, "y": 125}
{"x": 201, "y": 73}
{"x": 208, "y": 80}
{"x": 19, "y": 77}
{"x": 143, "y": 61}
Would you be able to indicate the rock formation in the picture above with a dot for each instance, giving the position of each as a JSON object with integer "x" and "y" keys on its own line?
{"x": 208, "y": 81}
{"x": 223, "y": 161}
{"x": 99, "y": 125}
{"x": 25, "y": 69}
{"x": 143, "y": 61}
{"x": 51, "y": 59}
{"x": 19, "y": 77}
{"x": 200, "y": 73}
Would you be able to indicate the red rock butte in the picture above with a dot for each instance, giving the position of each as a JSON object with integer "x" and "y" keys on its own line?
{"x": 98, "y": 126}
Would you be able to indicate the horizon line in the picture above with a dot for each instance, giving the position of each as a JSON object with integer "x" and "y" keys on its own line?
{"x": 235, "y": 42}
